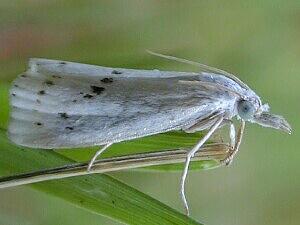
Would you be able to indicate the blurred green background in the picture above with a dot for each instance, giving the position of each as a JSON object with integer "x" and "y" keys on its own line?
{"x": 257, "y": 40}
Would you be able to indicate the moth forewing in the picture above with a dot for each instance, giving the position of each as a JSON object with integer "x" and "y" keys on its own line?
{"x": 67, "y": 105}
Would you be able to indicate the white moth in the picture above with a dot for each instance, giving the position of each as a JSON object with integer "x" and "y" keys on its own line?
{"x": 57, "y": 104}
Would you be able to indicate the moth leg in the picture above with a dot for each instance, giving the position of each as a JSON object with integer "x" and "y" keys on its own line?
{"x": 99, "y": 152}
{"x": 232, "y": 134}
{"x": 229, "y": 158}
{"x": 190, "y": 154}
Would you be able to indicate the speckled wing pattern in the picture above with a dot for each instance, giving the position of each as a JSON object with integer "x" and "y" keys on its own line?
{"x": 57, "y": 104}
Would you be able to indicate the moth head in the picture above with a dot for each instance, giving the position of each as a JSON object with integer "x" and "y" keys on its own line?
{"x": 253, "y": 111}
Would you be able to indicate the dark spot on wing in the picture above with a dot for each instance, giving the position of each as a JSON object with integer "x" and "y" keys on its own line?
{"x": 38, "y": 123}
{"x": 97, "y": 90}
{"x": 56, "y": 76}
{"x": 64, "y": 115}
{"x": 42, "y": 92}
{"x": 116, "y": 72}
{"x": 23, "y": 75}
{"x": 38, "y": 101}
{"x": 13, "y": 94}
{"x": 81, "y": 93}
{"x": 62, "y": 63}
{"x": 88, "y": 96}
{"x": 16, "y": 85}
{"x": 69, "y": 128}
{"x": 107, "y": 80}
{"x": 74, "y": 100}
{"x": 49, "y": 82}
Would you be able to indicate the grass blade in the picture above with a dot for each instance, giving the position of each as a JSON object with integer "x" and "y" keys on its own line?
{"x": 100, "y": 194}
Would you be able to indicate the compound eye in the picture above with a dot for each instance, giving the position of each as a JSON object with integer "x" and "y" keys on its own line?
{"x": 245, "y": 109}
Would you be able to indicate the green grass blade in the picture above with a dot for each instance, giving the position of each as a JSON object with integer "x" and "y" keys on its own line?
{"x": 100, "y": 194}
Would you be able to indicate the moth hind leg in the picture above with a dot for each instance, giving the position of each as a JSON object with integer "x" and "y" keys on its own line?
{"x": 97, "y": 154}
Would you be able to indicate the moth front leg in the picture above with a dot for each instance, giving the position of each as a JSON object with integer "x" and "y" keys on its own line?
{"x": 235, "y": 142}
{"x": 232, "y": 134}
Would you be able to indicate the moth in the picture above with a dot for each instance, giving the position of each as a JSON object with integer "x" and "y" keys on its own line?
{"x": 58, "y": 104}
